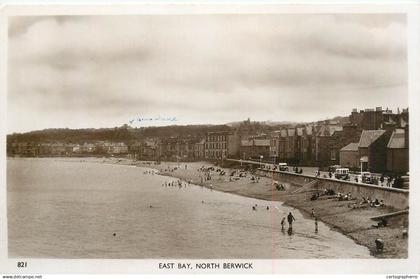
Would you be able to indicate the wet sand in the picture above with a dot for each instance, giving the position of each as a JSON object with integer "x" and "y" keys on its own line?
{"x": 354, "y": 223}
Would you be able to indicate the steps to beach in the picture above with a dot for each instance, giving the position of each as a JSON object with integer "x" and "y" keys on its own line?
{"x": 306, "y": 186}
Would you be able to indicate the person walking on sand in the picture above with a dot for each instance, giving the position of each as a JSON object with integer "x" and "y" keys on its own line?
{"x": 316, "y": 225}
{"x": 290, "y": 219}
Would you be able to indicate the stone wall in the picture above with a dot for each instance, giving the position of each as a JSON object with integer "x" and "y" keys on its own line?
{"x": 397, "y": 198}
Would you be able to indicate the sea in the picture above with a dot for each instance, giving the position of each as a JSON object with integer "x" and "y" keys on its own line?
{"x": 76, "y": 208}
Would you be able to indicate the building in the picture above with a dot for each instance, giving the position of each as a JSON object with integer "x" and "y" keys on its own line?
{"x": 118, "y": 148}
{"x": 58, "y": 149}
{"x": 349, "y": 156}
{"x": 26, "y": 149}
{"x": 397, "y": 154}
{"x": 71, "y": 148}
{"x": 169, "y": 148}
{"x": 307, "y": 144}
{"x": 373, "y": 150}
{"x": 216, "y": 145}
{"x": 151, "y": 150}
{"x": 221, "y": 145}
{"x": 199, "y": 149}
{"x": 376, "y": 119}
{"x": 181, "y": 148}
{"x": 255, "y": 148}
{"x": 88, "y": 148}
{"x": 325, "y": 151}
{"x": 135, "y": 148}
{"x": 274, "y": 146}
{"x": 341, "y": 138}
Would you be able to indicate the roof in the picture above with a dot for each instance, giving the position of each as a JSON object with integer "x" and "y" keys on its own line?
{"x": 246, "y": 142}
{"x": 334, "y": 129}
{"x": 255, "y": 142}
{"x": 397, "y": 139}
{"x": 369, "y": 136}
{"x": 354, "y": 146}
{"x": 328, "y": 130}
{"x": 261, "y": 142}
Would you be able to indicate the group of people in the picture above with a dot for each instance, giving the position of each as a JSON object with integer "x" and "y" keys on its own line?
{"x": 169, "y": 169}
{"x": 372, "y": 203}
{"x": 297, "y": 170}
{"x": 344, "y": 196}
{"x": 255, "y": 179}
{"x": 391, "y": 181}
{"x": 177, "y": 183}
{"x": 367, "y": 202}
{"x": 254, "y": 207}
{"x": 290, "y": 220}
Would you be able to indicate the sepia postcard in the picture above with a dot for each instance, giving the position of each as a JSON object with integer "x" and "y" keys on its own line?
{"x": 210, "y": 138}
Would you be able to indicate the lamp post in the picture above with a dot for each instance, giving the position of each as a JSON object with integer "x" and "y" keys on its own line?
{"x": 261, "y": 156}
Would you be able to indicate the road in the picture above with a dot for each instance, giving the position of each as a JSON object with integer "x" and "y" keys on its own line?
{"x": 306, "y": 170}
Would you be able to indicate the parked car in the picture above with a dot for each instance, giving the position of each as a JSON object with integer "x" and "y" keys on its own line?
{"x": 365, "y": 177}
{"x": 283, "y": 167}
{"x": 342, "y": 173}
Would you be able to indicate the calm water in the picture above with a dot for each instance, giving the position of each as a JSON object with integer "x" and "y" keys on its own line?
{"x": 64, "y": 208}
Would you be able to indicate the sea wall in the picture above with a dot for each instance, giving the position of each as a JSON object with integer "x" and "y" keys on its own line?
{"x": 397, "y": 198}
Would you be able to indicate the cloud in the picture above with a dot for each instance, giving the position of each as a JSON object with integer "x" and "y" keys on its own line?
{"x": 196, "y": 66}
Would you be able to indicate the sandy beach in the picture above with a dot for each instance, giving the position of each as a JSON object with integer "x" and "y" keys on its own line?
{"x": 354, "y": 223}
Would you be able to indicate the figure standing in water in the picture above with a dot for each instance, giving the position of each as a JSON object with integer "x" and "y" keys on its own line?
{"x": 290, "y": 219}
{"x": 282, "y": 223}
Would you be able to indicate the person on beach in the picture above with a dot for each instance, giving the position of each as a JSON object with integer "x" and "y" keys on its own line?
{"x": 282, "y": 223}
{"x": 316, "y": 225}
{"x": 290, "y": 219}
{"x": 313, "y": 213}
{"x": 379, "y": 245}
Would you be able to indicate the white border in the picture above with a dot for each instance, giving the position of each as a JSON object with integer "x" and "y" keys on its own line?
{"x": 371, "y": 266}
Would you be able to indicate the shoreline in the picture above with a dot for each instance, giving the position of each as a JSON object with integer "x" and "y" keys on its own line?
{"x": 353, "y": 223}
{"x": 356, "y": 224}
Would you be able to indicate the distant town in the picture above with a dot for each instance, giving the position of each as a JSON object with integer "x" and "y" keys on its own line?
{"x": 374, "y": 139}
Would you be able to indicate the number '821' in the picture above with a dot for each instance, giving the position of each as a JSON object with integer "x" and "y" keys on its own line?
{"x": 22, "y": 264}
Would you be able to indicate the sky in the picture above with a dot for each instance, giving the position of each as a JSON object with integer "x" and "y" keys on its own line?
{"x": 146, "y": 70}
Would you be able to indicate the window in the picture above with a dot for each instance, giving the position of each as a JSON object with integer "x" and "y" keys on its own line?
{"x": 333, "y": 158}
